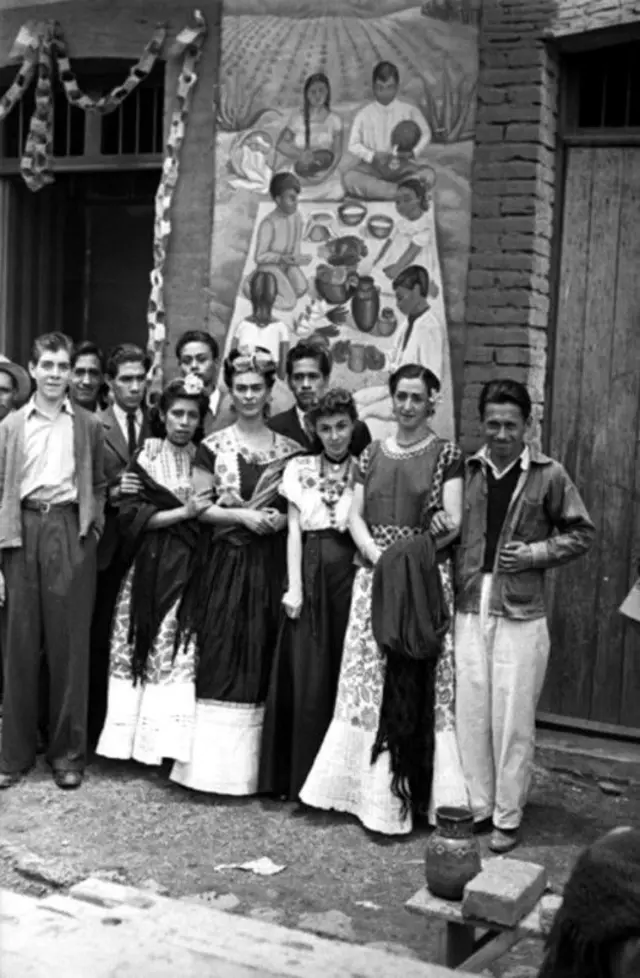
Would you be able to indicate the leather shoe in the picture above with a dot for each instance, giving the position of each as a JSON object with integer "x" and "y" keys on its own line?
{"x": 503, "y": 840}
{"x": 68, "y": 780}
{"x": 8, "y": 780}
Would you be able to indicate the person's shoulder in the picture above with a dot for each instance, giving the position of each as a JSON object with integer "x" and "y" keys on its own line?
{"x": 334, "y": 120}
{"x": 281, "y": 422}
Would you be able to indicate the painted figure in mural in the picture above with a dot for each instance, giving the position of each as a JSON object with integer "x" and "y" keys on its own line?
{"x": 312, "y": 139}
{"x": 152, "y": 697}
{"x": 278, "y": 242}
{"x": 522, "y": 515}
{"x": 51, "y": 518}
{"x": 232, "y": 604}
{"x": 379, "y": 144}
{"x": 197, "y": 352}
{"x": 412, "y": 240}
{"x": 320, "y": 571}
{"x": 86, "y": 386}
{"x": 391, "y": 749}
{"x": 262, "y": 328}
{"x": 124, "y": 423}
{"x": 308, "y": 371}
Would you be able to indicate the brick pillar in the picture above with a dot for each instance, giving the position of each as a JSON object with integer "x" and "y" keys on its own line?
{"x": 512, "y": 205}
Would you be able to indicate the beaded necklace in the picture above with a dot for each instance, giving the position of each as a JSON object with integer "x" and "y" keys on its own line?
{"x": 333, "y": 484}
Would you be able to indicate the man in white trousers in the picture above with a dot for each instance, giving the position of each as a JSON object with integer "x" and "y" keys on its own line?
{"x": 522, "y": 515}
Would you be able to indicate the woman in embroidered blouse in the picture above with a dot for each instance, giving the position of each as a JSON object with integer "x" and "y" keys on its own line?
{"x": 151, "y": 705}
{"x": 232, "y": 605}
{"x": 320, "y": 572}
{"x": 409, "y": 484}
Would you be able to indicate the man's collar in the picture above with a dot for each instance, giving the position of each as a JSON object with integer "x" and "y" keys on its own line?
{"x": 32, "y": 407}
{"x": 524, "y": 458}
{"x": 121, "y": 413}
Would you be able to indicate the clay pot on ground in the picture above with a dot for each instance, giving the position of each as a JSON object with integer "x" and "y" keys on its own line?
{"x": 453, "y": 853}
{"x": 365, "y": 304}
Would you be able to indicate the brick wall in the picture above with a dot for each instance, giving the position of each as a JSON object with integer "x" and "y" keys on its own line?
{"x": 513, "y": 187}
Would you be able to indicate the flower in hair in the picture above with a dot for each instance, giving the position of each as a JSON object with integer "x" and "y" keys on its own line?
{"x": 193, "y": 385}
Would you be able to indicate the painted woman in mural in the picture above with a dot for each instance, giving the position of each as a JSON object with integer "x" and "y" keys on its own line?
{"x": 312, "y": 139}
{"x": 278, "y": 242}
{"x": 412, "y": 240}
{"x": 387, "y": 139}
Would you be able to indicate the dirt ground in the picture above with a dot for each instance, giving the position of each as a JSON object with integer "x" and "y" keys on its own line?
{"x": 129, "y": 824}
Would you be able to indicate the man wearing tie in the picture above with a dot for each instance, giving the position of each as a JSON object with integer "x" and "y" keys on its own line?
{"x": 308, "y": 372}
{"x": 125, "y": 427}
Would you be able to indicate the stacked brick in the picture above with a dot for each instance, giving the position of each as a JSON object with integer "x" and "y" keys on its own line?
{"x": 508, "y": 287}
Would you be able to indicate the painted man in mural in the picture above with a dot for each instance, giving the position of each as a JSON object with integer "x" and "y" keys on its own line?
{"x": 522, "y": 515}
{"x": 387, "y": 138}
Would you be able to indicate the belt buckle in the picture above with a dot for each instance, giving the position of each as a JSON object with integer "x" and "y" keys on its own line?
{"x": 44, "y": 508}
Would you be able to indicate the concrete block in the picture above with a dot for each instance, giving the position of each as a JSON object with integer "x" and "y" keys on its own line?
{"x": 504, "y": 892}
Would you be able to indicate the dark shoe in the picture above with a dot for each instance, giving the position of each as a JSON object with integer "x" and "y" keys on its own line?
{"x": 503, "y": 840}
{"x": 68, "y": 780}
{"x": 8, "y": 780}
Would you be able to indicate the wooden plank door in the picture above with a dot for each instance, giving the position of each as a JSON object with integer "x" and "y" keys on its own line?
{"x": 594, "y": 673}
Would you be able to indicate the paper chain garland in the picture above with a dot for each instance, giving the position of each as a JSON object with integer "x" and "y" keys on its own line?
{"x": 36, "y": 163}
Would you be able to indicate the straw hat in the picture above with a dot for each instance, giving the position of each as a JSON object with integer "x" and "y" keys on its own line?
{"x": 21, "y": 378}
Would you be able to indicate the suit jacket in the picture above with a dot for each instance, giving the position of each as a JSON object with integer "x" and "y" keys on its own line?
{"x": 288, "y": 423}
{"x": 116, "y": 459}
{"x": 88, "y": 448}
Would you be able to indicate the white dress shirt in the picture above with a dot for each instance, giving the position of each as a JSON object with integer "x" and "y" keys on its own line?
{"x": 373, "y": 125}
{"x": 122, "y": 419}
{"x": 49, "y": 473}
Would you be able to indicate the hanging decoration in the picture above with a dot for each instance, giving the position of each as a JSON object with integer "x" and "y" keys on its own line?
{"x": 20, "y": 83}
{"x": 190, "y": 41}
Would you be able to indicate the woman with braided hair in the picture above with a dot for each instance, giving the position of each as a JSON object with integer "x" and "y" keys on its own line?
{"x": 596, "y": 932}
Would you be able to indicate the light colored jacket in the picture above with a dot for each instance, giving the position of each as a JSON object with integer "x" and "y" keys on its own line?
{"x": 88, "y": 445}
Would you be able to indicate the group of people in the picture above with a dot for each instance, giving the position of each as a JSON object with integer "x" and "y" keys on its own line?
{"x": 276, "y": 604}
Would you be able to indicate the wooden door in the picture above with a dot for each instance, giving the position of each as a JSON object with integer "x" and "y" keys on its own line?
{"x": 594, "y": 673}
{"x": 118, "y": 264}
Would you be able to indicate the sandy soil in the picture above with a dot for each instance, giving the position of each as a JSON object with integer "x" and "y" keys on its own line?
{"x": 129, "y": 822}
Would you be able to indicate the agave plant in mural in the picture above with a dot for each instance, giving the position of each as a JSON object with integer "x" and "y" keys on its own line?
{"x": 238, "y": 106}
{"x": 451, "y": 111}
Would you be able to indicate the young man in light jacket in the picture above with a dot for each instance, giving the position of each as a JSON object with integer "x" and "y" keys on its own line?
{"x": 52, "y": 489}
{"x": 522, "y": 515}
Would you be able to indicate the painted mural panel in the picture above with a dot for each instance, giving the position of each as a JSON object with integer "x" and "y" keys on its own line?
{"x": 344, "y": 151}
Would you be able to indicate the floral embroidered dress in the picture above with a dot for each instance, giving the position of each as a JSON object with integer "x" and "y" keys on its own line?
{"x": 152, "y": 700}
{"x": 401, "y": 485}
{"x": 232, "y": 608}
{"x": 306, "y": 665}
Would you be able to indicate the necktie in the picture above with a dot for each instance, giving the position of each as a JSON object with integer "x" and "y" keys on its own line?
{"x": 132, "y": 438}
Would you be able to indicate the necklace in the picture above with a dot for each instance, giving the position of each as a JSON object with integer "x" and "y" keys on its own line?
{"x": 333, "y": 483}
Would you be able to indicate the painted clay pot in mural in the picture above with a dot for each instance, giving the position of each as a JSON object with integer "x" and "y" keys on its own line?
{"x": 387, "y": 323}
{"x": 365, "y": 305}
{"x": 321, "y": 161}
{"x": 453, "y": 853}
{"x": 357, "y": 358}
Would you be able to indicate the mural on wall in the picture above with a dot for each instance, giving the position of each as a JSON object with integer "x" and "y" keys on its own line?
{"x": 343, "y": 159}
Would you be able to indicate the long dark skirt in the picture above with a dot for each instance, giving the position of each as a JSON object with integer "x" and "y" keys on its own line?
{"x": 233, "y": 606}
{"x": 306, "y": 666}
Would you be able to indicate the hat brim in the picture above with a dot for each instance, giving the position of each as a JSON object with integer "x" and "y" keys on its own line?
{"x": 21, "y": 378}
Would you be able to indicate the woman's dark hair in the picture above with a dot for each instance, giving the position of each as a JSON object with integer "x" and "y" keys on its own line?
{"x": 419, "y": 187}
{"x": 283, "y": 181}
{"x": 414, "y": 371}
{"x": 385, "y": 71}
{"x": 336, "y": 401}
{"x": 175, "y": 391}
{"x": 312, "y": 80}
{"x": 412, "y": 276}
{"x": 229, "y": 371}
{"x": 198, "y": 336}
{"x": 310, "y": 350}
{"x": 505, "y": 392}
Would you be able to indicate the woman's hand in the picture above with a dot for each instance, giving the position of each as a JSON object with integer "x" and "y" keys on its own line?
{"x": 292, "y": 602}
{"x": 371, "y": 554}
{"x": 441, "y": 524}
{"x": 130, "y": 484}
{"x": 278, "y": 520}
{"x": 256, "y": 521}
{"x": 197, "y": 504}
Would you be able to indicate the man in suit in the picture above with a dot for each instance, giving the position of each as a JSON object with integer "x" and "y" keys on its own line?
{"x": 125, "y": 427}
{"x": 308, "y": 372}
{"x": 198, "y": 353}
{"x": 52, "y": 490}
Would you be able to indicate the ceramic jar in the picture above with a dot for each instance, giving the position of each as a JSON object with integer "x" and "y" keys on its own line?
{"x": 357, "y": 363}
{"x": 365, "y": 304}
{"x": 453, "y": 853}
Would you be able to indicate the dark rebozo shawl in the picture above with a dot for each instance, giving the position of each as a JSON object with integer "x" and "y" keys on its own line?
{"x": 409, "y": 619}
{"x": 162, "y": 562}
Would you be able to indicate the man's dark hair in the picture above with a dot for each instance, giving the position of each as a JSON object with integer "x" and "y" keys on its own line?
{"x": 384, "y": 71}
{"x": 88, "y": 349}
{"x": 198, "y": 336}
{"x": 50, "y": 343}
{"x": 310, "y": 350}
{"x": 126, "y": 353}
{"x": 505, "y": 392}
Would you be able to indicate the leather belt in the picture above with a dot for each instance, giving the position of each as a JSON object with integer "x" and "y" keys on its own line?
{"x": 40, "y": 506}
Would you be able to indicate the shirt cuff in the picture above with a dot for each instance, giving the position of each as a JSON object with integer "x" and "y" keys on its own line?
{"x": 538, "y": 553}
